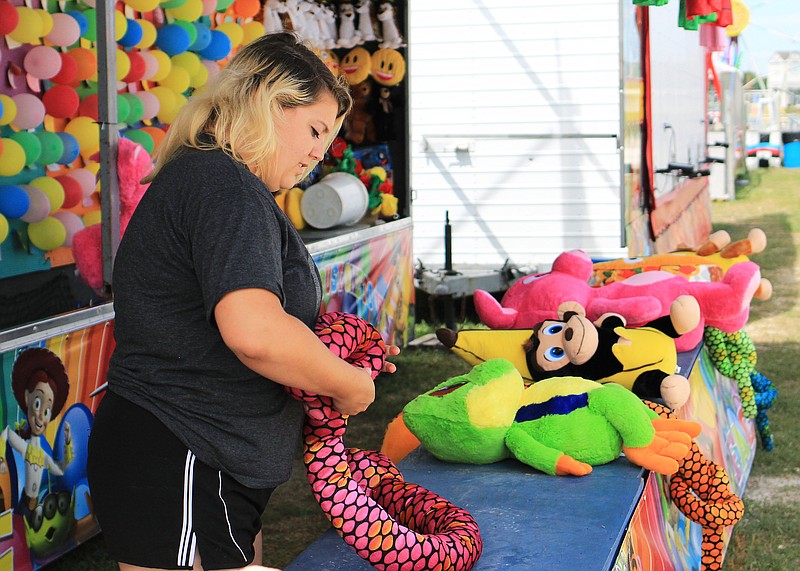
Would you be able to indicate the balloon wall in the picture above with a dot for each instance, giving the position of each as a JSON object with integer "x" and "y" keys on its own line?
{"x": 49, "y": 132}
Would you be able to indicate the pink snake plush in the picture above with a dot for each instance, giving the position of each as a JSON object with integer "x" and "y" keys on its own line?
{"x": 392, "y": 524}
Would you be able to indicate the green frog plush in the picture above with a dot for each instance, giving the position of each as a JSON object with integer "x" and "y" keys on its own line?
{"x": 561, "y": 426}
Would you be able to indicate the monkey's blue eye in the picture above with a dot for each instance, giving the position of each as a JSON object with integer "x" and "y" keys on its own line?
{"x": 554, "y": 354}
{"x": 553, "y": 329}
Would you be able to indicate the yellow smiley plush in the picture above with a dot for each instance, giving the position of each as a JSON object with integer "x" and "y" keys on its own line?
{"x": 330, "y": 59}
{"x": 355, "y": 65}
{"x": 388, "y": 67}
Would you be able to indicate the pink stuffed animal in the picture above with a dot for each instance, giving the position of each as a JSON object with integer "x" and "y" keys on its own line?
{"x": 133, "y": 163}
{"x": 639, "y": 299}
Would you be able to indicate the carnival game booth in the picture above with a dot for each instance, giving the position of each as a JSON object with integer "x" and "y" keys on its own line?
{"x": 87, "y": 93}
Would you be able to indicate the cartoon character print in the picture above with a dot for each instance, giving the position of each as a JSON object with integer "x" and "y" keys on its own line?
{"x": 40, "y": 385}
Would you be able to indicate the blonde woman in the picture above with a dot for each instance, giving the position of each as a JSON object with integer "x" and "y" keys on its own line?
{"x": 215, "y": 295}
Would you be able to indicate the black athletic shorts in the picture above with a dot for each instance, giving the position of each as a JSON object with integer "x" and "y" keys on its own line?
{"x": 156, "y": 502}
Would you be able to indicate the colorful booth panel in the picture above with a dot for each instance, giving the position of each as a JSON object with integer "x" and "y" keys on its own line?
{"x": 48, "y": 400}
{"x": 370, "y": 274}
{"x": 661, "y": 538}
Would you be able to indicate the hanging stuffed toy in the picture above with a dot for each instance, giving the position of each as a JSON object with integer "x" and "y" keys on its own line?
{"x": 366, "y": 25}
{"x": 355, "y": 65}
{"x": 701, "y": 491}
{"x": 359, "y": 127}
{"x": 348, "y": 35}
{"x": 391, "y": 523}
{"x": 388, "y": 67}
{"x": 560, "y": 426}
{"x": 640, "y": 299}
{"x": 390, "y": 31}
{"x": 133, "y": 163}
{"x": 642, "y": 359}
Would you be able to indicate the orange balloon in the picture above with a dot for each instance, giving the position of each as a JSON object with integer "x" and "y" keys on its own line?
{"x": 157, "y": 135}
{"x": 86, "y": 60}
{"x": 246, "y": 8}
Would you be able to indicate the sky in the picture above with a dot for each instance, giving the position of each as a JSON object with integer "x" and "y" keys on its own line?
{"x": 774, "y": 26}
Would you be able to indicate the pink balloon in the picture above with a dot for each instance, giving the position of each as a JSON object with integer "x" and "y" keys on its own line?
{"x": 66, "y": 30}
{"x": 150, "y": 104}
{"x": 30, "y": 111}
{"x": 72, "y": 223}
{"x": 208, "y": 7}
{"x": 42, "y": 62}
{"x": 39, "y": 208}
{"x": 212, "y": 67}
{"x": 86, "y": 179}
{"x": 150, "y": 65}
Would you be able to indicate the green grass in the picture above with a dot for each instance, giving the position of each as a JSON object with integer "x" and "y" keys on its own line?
{"x": 766, "y": 539}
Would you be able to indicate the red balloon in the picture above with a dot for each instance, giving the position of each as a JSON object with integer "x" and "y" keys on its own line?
{"x": 88, "y": 107}
{"x": 8, "y": 17}
{"x": 137, "y": 70}
{"x": 68, "y": 72}
{"x": 72, "y": 191}
{"x": 61, "y": 101}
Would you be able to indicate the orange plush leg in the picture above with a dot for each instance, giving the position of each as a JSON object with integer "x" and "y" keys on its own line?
{"x": 398, "y": 440}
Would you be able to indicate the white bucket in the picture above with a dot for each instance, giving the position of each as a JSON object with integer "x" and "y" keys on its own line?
{"x": 338, "y": 199}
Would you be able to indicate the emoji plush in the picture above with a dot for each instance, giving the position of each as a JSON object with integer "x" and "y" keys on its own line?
{"x": 643, "y": 359}
{"x": 356, "y": 65}
{"x": 640, "y": 299}
{"x": 388, "y": 67}
{"x": 559, "y": 426}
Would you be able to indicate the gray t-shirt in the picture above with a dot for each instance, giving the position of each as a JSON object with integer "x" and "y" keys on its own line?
{"x": 206, "y": 227}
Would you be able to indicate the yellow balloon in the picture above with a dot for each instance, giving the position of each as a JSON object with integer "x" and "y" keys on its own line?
{"x": 47, "y": 21}
{"x": 3, "y": 228}
{"x": 12, "y": 158}
{"x": 48, "y": 234}
{"x": 123, "y": 64}
{"x": 169, "y": 115}
{"x": 741, "y": 18}
{"x": 52, "y": 189}
{"x": 190, "y": 11}
{"x": 252, "y": 30}
{"x": 94, "y": 168}
{"x": 148, "y": 34}
{"x": 92, "y": 217}
{"x": 233, "y": 31}
{"x": 120, "y": 25}
{"x": 164, "y": 65}
{"x": 177, "y": 80}
{"x": 87, "y": 133}
{"x": 200, "y": 78}
{"x": 189, "y": 61}
{"x": 167, "y": 100}
{"x": 142, "y": 5}
{"x": 30, "y": 26}
{"x": 9, "y": 109}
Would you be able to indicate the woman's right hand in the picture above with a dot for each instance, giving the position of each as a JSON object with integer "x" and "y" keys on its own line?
{"x": 360, "y": 395}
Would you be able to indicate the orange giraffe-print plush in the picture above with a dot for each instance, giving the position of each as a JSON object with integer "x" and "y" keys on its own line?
{"x": 393, "y": 524}
{"x": 701, "y": 491}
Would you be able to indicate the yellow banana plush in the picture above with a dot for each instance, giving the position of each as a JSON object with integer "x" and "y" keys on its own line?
{"x": 292, "y": 207}
{"x": 478, "y": 345}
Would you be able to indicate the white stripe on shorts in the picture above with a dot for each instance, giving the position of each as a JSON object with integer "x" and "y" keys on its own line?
{"x": 228, "y": 520}
{"x": 186, "y": 547}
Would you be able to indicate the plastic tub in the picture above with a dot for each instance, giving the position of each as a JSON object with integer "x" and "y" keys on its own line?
{"x": 338, "y": 199}
{"x": 791, "y": 155}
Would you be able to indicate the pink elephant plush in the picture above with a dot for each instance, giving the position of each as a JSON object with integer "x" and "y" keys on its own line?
{"x": 639, "y": 299}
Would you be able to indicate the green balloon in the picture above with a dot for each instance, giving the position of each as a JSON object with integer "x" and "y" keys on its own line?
{"x": 52, "y": 147}
{"x": 190, "y": 29}
{"x": 172, "y": 3}
{"x": 30, "y": 144}
{"x": 135, "y": 106}
{"x": 144, "y": 139}
{"x": 91, "y": 29}
{"x": 222, "y": 5}
{"x": 123, "y": 109}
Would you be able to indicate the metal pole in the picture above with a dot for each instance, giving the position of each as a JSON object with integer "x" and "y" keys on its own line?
{"x": 109, "y": 136}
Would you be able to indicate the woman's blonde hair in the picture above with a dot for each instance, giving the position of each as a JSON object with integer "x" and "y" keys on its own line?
{"x": 241, "y": 105}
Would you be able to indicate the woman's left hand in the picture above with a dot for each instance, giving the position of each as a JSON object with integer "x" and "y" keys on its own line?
{"x": 391, "y": 351}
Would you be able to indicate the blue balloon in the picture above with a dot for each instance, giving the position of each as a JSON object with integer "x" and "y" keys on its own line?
{"x": 133, "y": 35}
{"x": 172, "y": 39}
{"x": 83, "y": 22}
{"x": 71, "y": 148}
{"x": 14, "y": 201}
{"x": 203, "y": 37}
{"x": 218, "y": 48}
